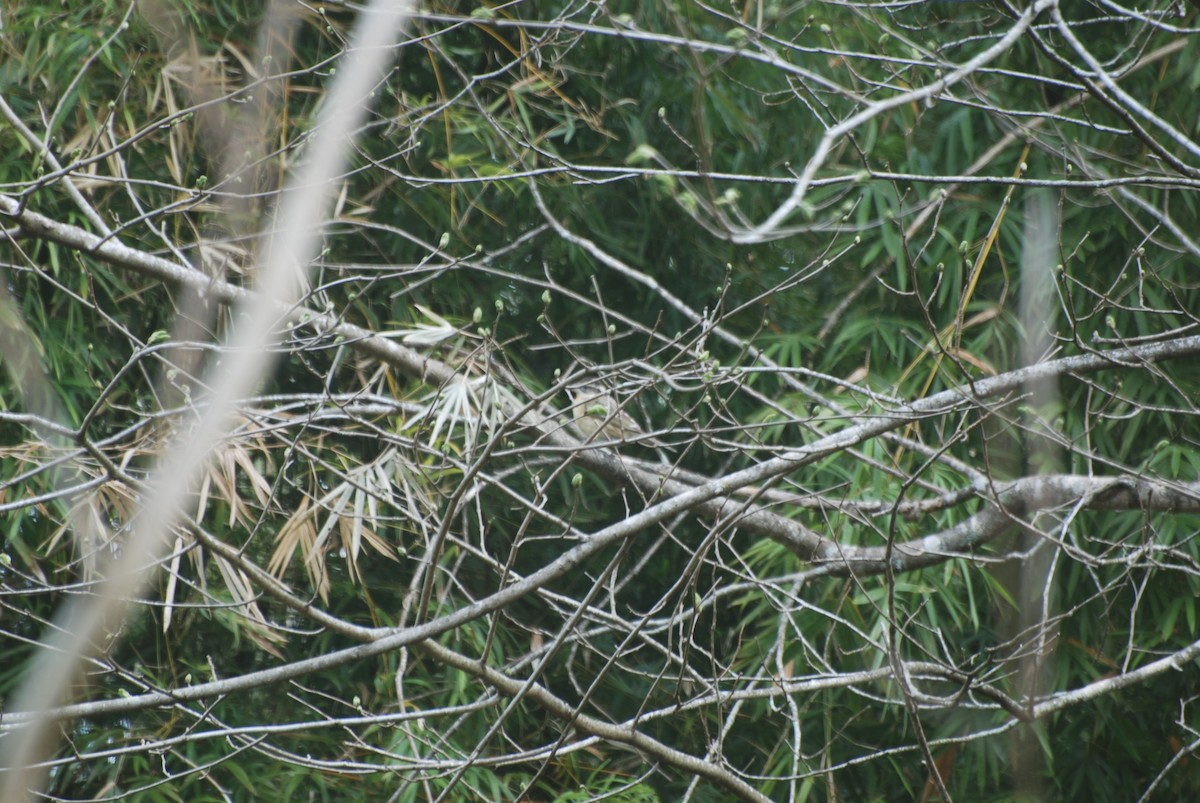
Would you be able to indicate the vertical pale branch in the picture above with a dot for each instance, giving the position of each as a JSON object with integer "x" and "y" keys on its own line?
{"x": 1042, "y": 456}
{"x": 302, "y": 210}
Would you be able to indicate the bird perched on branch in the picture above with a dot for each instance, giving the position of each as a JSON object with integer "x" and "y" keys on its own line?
{"x": 598, "y": 414}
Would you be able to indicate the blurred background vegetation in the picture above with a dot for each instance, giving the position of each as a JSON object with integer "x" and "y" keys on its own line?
{"x": 651, "y": 133}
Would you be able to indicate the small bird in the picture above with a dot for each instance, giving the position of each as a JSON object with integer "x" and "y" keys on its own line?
{"x": 595, "y": 411}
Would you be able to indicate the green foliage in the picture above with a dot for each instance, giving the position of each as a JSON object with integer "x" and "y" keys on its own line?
{"x": 651, "y": 133}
